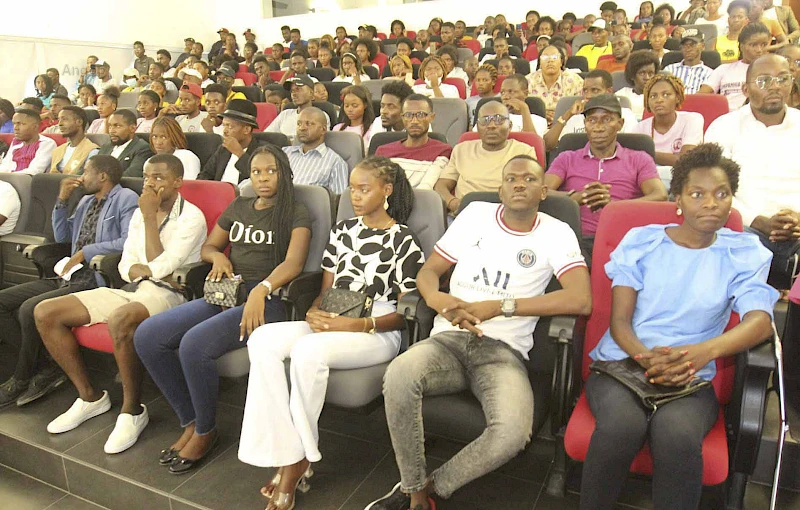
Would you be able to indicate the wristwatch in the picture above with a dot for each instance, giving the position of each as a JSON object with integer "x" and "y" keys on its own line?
{"x": 508, "y": 306}
{"x": 268, "y": 285}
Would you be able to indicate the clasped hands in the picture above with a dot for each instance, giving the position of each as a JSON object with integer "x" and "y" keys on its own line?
{"x": 673, "y": 366}
{"x": 465, "y": 315}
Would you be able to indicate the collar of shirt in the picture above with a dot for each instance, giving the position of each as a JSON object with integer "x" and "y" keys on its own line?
{"x": 538, "y": 81}
{"x": 119, "y": 149}
{"x": 587, "y": 152}
{"x": 175, "y": 212}
{"x": 320, "y": 149}
{"x": 787, "y": 123}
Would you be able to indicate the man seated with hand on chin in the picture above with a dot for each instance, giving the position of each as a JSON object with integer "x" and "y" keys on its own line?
{"x": 504, "y": 257}
{"x": 165, "y": 233}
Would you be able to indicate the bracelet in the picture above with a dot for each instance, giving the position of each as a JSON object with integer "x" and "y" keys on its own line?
{"x": 374, "y": 326}
{"x": 366, "y": 323}
{"x": 449, "y": 201}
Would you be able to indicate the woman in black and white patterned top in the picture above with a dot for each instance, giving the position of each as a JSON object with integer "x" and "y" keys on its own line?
{"x": 373, "y": 252}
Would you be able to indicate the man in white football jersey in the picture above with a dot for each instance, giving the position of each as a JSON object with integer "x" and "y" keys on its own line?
{"x": 504, "y": 257}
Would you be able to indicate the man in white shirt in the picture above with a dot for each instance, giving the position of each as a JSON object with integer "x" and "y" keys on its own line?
{"x": 691, "y": 70}
{"x": 29, "y": 152}
{"x": 9, "y": 208}
{"x": 165, "y": 233}
{"x": 103, "y": 79}
{"x": 502, "y": 256}
{"x": 449, "y": 54}
{"x": 728, "y": 79}
{"x": 596, "y": 82}
{"x": 761, "y": 138}
{"x": 500, "y": 47}
{"x": 302, "y": 90}
{"x": 216, "y": 104}
{"x": 191, "y": 121}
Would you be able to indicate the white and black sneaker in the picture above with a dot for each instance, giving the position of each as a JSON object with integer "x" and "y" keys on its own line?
{"x": 394, "y": 500}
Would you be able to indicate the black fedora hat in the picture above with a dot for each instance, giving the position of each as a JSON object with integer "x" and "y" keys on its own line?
{"x": 243, "y": 111}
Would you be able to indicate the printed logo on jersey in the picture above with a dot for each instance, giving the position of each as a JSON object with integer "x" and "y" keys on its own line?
{"x": 526, "y": 258}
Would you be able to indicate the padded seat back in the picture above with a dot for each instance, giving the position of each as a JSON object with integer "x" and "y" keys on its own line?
{"x": 711, "y": 58}
{"x": 128, "y": 100}
{"x": 99, "y": 139}
{"x": 392, "y": 136}
{"x": 278, "y": 139}
{"x": 710, "y": 106}
{"x": 618, "y": 80}
{"x": 322, "y": 73}
{"x": 133, "y": 183}
{"x": 203, "y": 145}
{"x": 91, "y": 115}
{"x": 251, "y": 92}
{"x": 265, "y": 114}
{"x": 349, "y": 146}
{"x": 635, "y": 141}
{"x": 581, "y": 40}
{"x": 335, "y": 89}
{"x": 451, "y": 118}
{"x": 575, "y": 62}
{"x": 374, "y": 87}
{"x": 247, "y": 78}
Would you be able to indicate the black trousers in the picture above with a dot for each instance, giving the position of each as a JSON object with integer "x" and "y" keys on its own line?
{"x": 17, "y": 325}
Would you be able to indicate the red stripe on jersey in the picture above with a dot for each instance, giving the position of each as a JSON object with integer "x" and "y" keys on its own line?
{"x": 570, "y": 267}
{"x": 509, "y": 230}
{"x": 444, "y": 254}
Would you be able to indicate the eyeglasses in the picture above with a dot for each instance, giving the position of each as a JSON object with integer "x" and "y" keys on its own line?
{"x": 497, "y": 119}
{"x": 416, "y": 115}
{"x": 765, "y": 81}
{"x": 545, "y": 58}
{"x": 795, "y": 61}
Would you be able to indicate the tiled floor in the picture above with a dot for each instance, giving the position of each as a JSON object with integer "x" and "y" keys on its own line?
{"x": 357, "y": 464}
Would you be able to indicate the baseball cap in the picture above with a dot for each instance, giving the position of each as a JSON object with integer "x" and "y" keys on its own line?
{"x": 247, "y": 32}
{"x": 189, "y": 72}
{"x": 130, "y": 72}
{"x": 302, "y": 79}
{"x": 101, "y": 63}
{"x": 190, "y": 39}
{"x": 221, "y": 30}
{"x": 193, "y": 89}
{"x": 607, "y": 102}
{"x": 599, "y": 23}
{"x": 692, "y": 34}
{"x": 227, "y": 71}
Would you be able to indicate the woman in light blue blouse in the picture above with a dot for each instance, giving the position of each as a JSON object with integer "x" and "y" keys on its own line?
{"x": 674, "y": 287}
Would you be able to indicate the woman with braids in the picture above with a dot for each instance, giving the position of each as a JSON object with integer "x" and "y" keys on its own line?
{"x": 432, "y": 70}
{"x": 106, "y": 105}
{"x": 350, "y": 70}
{"x": 673, "y": 132}
{"x": 485, "y": 81}
{"x": 268, "y": 238}
{"x": 375, "y": 253}
{"x": 671, "y": 323}
{"x": 166, "y": 137}
{"x": 148, "y": 105}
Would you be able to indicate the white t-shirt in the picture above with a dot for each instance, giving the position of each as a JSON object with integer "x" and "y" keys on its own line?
{"x": 727, "y": 80}
{"x": 349, "y": 79}
{"x": 637, "y": 101}
{"x": 9, "y": 207}
{"x": 459, "y": 73}
{"x": 494, "y": 262}
{"x": 687, "y": 130}
{"x": 576, "y": 124}
{"x": 770, "y": 176}
{"x": 447, "y": 90}
{"x": 191, "y": 163}
{"x": 721, "y": 23}
{"x": 194, "y": 125}
{"x": 539, "y": 123}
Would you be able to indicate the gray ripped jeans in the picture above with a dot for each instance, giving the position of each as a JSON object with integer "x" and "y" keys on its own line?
{"x": 447, "y": 363}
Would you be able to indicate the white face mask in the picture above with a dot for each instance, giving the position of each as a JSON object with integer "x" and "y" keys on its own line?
{"x": 131, "y": 82}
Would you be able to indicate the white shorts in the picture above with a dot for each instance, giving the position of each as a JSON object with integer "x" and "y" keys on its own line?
{"x": 102, "y": 302}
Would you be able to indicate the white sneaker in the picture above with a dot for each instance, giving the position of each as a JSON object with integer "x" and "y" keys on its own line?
{"x": 79, "y": 413}
{"x": 126, "y": 432}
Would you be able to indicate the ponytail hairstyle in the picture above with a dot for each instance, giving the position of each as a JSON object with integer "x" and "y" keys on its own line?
{"x": 401, "y": 201}
{"x": 283, "y": 210}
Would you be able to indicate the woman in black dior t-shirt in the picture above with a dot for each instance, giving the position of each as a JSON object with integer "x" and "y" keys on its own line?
{"x": 374, "y": 252}
{"x": 268, "y": 237}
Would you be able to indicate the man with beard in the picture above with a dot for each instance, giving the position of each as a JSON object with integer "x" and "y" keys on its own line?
{"x": 131, "y": 151}
{"x": 422, "y": 157}
{"x": 312, "y": 161}
{"x": 69, "y": 158}
{"x": 768, "y": 195}
{"x": 391, "y": 115}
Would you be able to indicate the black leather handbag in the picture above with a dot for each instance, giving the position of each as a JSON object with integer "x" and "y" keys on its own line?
{"x": 348, "y": 303}
{"x": 631, "y": 374}
{"x": 228, "y": 292}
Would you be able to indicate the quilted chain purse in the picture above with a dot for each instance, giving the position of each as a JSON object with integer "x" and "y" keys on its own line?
{"x": 228, "y": 292}
{"x": 346, "y": 302}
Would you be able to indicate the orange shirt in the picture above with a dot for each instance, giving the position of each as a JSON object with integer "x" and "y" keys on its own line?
{"x": 610, "y": 65}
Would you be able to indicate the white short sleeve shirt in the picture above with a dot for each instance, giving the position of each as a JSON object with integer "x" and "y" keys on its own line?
{"x": 494, "y": 262}
{"x": 9, "y": 207}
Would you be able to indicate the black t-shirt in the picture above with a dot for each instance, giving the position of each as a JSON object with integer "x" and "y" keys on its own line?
{"x": 252, "y": 237}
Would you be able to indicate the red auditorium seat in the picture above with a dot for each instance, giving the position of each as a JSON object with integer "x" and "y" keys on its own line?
{"x": 617, "y": 219}
{"x": 266, "y": 114}
{"x": 474, "y": 45}
{"x": 7, "y": 137}
{"x": 497, "y": 85}
{"x": 531, "y": 52}
{"x": 457, "y": 82}
{"x": 276, "y": 75}
{"x": 247, "y": 78}
{"x": 381, "y": 59}
{"x": 381, "y": 36}
{"x": 212, "y": 197}
{"x": 244, "y": 68}
{"x": 710, "y": 106}
{"x": 411, "y": 35}
{"x": 531, "y": 139}
{"x": 59, "y": 139}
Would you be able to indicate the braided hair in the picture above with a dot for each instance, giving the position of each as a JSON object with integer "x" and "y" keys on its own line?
{"x": 488, "y": 68}
{"x": 427, "y": 61}
{"x": 401, "y": 201}
{"x": 674, "y": 81}
{"x": 283, "y": 210}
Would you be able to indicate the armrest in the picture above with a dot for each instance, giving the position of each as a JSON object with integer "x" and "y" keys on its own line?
{"x": 562, "y": 327}
{"x": 107, "y": 266}
{"x": 192, "y": 276}
{"x": 747, "y": 408}
{"x": 23, "y": 240}
{"x": 45, "y": 256}
{"x": 418, "y": 314}
{"x": 300, "y": 293}
{"x": 561, "y": 332}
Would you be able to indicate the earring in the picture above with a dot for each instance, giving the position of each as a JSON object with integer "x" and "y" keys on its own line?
{"x": 386, "y": 203}
{"x": 679, "y": 211}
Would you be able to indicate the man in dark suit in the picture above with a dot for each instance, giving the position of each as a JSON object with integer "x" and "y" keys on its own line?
{"x": 131, "y": 151}
{"x": 231, "y": 161}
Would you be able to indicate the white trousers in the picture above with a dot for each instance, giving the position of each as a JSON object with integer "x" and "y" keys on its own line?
{"x": 279, "y": 428}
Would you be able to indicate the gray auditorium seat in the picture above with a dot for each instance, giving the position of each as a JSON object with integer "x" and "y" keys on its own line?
{"x": 451, "y": 118}
{"x": 349, "y": 146}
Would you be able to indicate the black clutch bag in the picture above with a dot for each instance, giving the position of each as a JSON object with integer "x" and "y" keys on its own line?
{"x": 631, "y": 374}
{"x": 228, "y": 292}
{"x": 348, "y": 303}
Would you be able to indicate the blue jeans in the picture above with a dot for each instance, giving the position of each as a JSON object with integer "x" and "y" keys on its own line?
{"x": 451, "y": 362}
{"x": 675, "y": 434}
{"x": 782, "y": 253}
{"x": 180, "y": 347}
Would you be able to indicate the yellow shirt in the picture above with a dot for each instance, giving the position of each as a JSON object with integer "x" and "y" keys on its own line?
{"x": 476, "y": 169}
{"x": 233, "y": 95}
{"x": 728, "y": 50}
{"x": 592, "y": 53}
